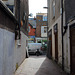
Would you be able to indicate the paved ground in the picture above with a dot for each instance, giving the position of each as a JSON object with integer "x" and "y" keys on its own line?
{"x": 39, "y": 65}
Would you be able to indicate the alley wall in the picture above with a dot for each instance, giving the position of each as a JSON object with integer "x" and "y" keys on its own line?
{"x": 11, "y": 54}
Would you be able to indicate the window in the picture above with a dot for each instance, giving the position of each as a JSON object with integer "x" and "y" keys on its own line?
{"x": 44, "y": 18}
{"x": 11, "y": 7}
{"x": 45, "y": 29}
{"x": 29, "y": 29}
{"x": 53, "y": 6}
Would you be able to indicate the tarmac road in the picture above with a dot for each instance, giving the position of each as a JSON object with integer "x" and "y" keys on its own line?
{"x": 39, "y": 65}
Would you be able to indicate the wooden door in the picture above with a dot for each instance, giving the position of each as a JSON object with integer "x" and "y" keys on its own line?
{"x": 72, "y": 49}
{"x": 56, "y": 41}
{"x": 56, "y": 46}
{"x": 50, "y": 40}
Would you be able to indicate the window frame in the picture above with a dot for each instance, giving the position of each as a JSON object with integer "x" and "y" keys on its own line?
{"x": 53, "y": 8}
{"x": 45, "y": 29}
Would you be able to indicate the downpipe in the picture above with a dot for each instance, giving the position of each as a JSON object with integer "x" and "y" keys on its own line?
{"x": 62, "y": 34}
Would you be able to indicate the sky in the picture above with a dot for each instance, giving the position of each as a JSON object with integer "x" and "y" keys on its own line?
{"x": 36, "y": 6}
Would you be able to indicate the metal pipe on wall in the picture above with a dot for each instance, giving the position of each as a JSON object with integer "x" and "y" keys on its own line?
{"x": 62, "y": 34}
{"x": 19, "y": 16}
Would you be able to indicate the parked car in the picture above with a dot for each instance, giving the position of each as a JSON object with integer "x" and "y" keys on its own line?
{"x": 32, "y": 47}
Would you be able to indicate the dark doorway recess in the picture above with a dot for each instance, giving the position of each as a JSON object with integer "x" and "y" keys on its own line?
{"x": 50, "y": 44}
{"x": 50, "y": 40}
{"x": 56, "y": 42}
{"x": 72, "y": 48}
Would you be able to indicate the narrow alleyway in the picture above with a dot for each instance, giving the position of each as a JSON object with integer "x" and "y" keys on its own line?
{"x": 39, "y": 66}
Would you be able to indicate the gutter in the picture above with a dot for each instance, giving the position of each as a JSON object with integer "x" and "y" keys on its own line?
{"x": 8, "y": 12}
{"x": 19, "y": 18}
{"x": 62, "y": 34}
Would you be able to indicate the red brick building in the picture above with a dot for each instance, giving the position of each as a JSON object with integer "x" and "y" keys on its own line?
{"x": 41, "y": 27}
{"x": 31, "y": 33}
{"x": 31, "y": 30}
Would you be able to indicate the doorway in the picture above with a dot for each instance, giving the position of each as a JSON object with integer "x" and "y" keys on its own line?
{"x": 72, "y": 48}
{"x": 56, "y": 42}
{"x": 50, "y": 43}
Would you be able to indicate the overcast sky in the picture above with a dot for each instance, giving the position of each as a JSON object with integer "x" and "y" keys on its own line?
{"x": 36, "y": 6}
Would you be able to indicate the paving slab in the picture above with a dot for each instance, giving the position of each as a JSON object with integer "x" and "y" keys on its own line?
{"x": 39, "y": 65}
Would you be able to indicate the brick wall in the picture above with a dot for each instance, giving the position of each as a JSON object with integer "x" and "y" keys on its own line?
{"x": 39, "y": 23}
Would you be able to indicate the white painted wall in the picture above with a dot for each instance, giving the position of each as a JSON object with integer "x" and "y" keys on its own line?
{"x": 1, "y": 51}
{"x": 67, "y": 48}
{"x": 7, "y": 44}
{"x": 10, "y": 53}
{"x": 66, "y": 43}
{"x": 58, "y": 21}
{"x": 20, "y": 51}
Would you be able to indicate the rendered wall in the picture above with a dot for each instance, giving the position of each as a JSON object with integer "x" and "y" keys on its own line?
{"x": 20, "y": 51}
{"x": 58, "y": 22}
{"x": 10, "y": 52}
{"x": 7, "y": 44}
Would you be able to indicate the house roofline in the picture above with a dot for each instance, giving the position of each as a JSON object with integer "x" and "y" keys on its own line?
{"x": 8, "y": 12}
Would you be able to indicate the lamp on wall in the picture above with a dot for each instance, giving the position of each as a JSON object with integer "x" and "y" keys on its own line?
{"x": 31, "y": 15}
{"x": 45, "y": 7}
{"x": 55, "y": 28}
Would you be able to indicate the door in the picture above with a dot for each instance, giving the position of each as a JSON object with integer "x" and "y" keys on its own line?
{"x": 56, "y": 46}
{"x": 50, "y": 40}
{"x": 72, "y": 48}
{"x": 56, "y": 41}
{"x": 50, "y": 44}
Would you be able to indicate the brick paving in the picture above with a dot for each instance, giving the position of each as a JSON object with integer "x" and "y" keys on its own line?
{"x": 39, "y": 65}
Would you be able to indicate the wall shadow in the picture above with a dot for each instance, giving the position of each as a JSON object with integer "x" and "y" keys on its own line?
{"x": 49, "y": 67}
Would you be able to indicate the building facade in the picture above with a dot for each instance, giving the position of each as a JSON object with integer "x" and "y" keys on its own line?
{"x": 13, "y": 31}
{"x": 41, "y": 26}
{"x": 61, "y": 20}
{"x": 54, "y": 30}
{"x": 69, "y": 41}
{"x": 22, "y": 16}
{"x": 7, "y": 41}
{"x": 10, "y": 5}
{"x": 31, "y": 33}
{"x": 32, "y": 30}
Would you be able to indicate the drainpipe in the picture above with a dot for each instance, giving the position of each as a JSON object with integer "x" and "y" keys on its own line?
{"x": 62, "y": 34}
{"x": 19, "y": 16}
